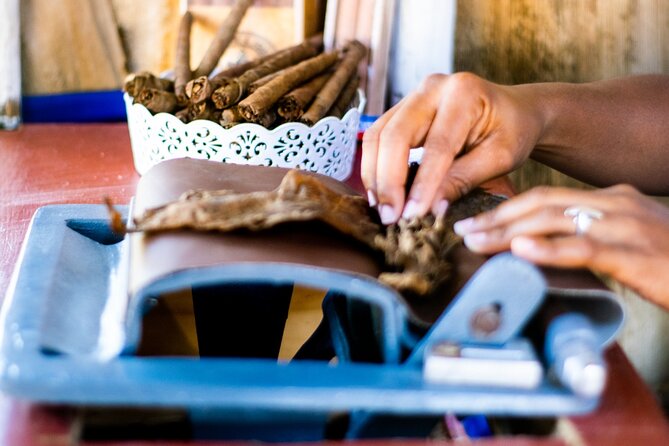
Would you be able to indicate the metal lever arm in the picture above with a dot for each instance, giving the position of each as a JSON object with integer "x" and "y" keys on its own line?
{"x": 492, "y": 307}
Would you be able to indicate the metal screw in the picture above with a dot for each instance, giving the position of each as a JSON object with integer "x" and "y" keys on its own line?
{"x": 486, "y": 320}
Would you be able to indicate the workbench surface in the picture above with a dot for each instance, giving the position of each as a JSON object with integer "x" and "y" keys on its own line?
{"x": 50, "y": 164}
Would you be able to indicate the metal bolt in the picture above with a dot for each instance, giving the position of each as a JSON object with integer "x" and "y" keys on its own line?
{"x": 486, "y": 320}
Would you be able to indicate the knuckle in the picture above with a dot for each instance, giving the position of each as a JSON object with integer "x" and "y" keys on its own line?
{"x": 626, "y": 196}
{"x": 460, "y": 185}
{"x": 432, "y": 82}
{"x": 437, "y": 145}
{"x": 552, "y": 216}
{"x": 500, "y": 235}
{"x": 464, "y": 81}
{"x": 390, "y": 137}
{"x": 371, "y": 135}
{"x": 367, "y": 178}
{"x": 624, "y": 189}
{"x": 538, "y": 194}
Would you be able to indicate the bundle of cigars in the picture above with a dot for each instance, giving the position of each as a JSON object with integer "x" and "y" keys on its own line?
{"x": 301, "y": 83}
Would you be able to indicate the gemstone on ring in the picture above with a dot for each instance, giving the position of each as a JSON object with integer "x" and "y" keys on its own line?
{"x": 583, "y": 216}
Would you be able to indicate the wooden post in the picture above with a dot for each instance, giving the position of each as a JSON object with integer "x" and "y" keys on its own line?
{"x": 10, "y": 65}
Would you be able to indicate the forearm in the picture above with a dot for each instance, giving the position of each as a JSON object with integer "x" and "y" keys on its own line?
{"x": 606, "y": 132}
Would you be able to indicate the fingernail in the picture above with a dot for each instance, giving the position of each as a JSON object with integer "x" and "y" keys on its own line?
{"x": 439, "y": 209}
{"x": 410, "y": 209}
{"x": 475, "y": 240}
{"x": 387, "y": 214}
{"x": 462, "y": 227}
{"x": 371, "y": 198}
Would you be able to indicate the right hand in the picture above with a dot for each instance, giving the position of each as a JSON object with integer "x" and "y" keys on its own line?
{"x": 490, "y": 128}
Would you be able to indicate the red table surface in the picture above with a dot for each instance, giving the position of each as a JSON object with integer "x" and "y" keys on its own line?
{"x": 47, "y": 164}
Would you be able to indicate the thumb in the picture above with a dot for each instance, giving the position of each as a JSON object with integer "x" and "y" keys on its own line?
{"x": 467, "y": 173}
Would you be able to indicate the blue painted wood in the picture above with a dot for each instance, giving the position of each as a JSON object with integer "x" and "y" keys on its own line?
{"x": 61, "y": 261}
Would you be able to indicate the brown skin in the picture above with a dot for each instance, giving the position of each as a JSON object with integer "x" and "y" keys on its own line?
{"x": 630, "y": 243}
{"x": 604, "y": 133}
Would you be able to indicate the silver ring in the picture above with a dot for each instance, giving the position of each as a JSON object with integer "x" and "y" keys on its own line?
{"x": 582, "y": 216}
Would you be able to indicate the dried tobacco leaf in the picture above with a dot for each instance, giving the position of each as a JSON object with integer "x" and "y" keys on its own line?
{"x": 416, "y": 251}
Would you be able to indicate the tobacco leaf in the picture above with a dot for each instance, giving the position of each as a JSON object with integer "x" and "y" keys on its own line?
{"x": 299, "y": 197}
{"x": 416, "y": 251}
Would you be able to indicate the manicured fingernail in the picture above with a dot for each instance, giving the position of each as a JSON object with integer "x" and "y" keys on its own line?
{"x": 410, "y": 209}
{"x": 371, "y": 198}
{"x": 523, "y": 246}
{"x": 475, "y": 240}
{"x": 387, "y": 214}
{"x": 462, "y": 227}
{"x": 439, "y": 209}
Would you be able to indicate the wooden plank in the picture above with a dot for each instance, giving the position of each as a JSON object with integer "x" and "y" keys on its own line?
{"x": 10, "y": 64}
{"x": 149, "y": 33}
{"x": 70, "y": 45}
{"x": 309, "y": 16}
{"x": 521, "y": 41}
{"x": 304, "y": 315}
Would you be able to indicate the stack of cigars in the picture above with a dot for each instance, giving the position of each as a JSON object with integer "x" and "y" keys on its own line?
{"x": 301, "y": 83}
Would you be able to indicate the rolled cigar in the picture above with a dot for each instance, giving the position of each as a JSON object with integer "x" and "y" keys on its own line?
{"x": 182, "y": 72}
{"x": 203, "y": 110}
{"x": 292, "y": 105}
{"x": 157, "y": 101}
{"x": 257, "y": 103}
{"x": 224, "y": 35}
{"x": 237, "y": 70}
{"x": 345, "y": 98}
{"x": 231, "y": 93}
{"x": 231, "y": 117}
{"x": 139, "y": 81}
{"x": 262, "y": 81}
{"x": 354, "y": 52}
{"x": 183, "y": 115}
{"x": 266, "y": 119}
{"x": 200, "y": 89}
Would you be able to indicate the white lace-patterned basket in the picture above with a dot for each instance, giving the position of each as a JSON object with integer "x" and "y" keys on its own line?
{"x": 328, "y": 147}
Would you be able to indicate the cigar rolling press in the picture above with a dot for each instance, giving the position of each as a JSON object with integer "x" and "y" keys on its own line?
{"x": 70, "y": 333}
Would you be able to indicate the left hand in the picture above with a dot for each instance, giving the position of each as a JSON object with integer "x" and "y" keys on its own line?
{"x": 630, "y": 242}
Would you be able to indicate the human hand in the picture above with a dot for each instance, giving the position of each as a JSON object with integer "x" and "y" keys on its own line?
{"x": 490, "y": 128}
{"x": 630, "y": 242}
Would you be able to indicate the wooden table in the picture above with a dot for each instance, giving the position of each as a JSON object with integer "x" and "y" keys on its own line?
{"x": 47, "y": 164}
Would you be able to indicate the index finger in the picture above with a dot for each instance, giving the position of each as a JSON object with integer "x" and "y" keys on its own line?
{"x": 406, "y": 128}
{"x": 370, "y": 151}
